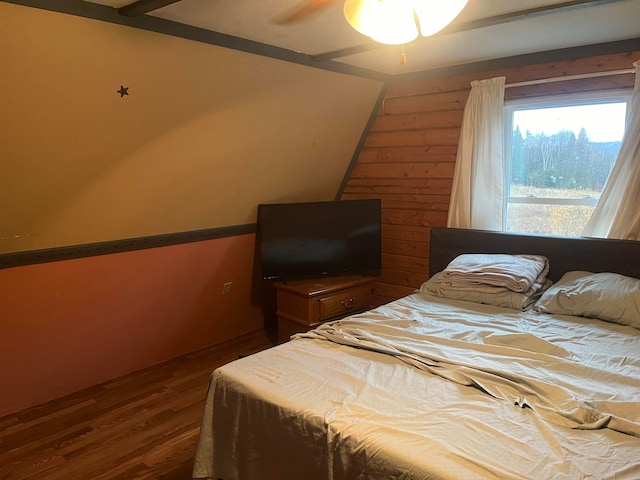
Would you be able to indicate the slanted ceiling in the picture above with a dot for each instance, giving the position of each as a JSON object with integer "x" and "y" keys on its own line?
{"x": 485, "y": 29}
{"x": 203, "y": 135}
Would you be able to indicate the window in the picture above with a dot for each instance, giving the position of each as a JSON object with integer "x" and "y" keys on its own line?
{"x": 559, "y": 153}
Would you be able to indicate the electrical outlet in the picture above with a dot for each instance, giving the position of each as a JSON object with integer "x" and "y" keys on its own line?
{"x": 226, "y": 288}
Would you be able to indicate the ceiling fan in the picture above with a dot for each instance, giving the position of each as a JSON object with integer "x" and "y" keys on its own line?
{"x": 391, "y": 22}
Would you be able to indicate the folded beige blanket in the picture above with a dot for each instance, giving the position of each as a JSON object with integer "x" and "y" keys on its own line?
{"x": 494, "y": 272}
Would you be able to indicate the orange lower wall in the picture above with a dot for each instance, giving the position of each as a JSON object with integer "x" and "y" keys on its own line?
{"x": 72, "y": 324}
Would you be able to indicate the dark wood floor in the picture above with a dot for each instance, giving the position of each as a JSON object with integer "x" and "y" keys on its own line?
{"x": 142, "y": 426}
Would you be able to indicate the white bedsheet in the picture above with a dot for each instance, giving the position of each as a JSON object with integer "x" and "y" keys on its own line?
{"x": 317, "y": 409}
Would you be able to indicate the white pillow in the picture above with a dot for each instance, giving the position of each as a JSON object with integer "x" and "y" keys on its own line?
{"x": 505, "y": 298}
{"x": 607, "y": 296}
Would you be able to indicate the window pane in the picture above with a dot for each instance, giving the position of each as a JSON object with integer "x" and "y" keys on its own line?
{"x": 562, "y": 152}
{"x": 547, "y": 219}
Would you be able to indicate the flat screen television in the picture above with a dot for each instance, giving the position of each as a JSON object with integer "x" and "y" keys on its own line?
{"x": 310, "y": 239}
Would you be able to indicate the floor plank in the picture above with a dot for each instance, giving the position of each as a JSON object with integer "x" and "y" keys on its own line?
{"x": 141, "y": 426}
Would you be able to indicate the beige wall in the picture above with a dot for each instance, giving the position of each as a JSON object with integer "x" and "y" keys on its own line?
{"x": 205, "y": 134}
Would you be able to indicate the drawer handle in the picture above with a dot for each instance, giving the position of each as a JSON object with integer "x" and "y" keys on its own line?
{"x": 348, "y": 304}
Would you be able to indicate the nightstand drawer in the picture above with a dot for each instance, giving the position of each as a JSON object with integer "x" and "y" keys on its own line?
{"x": 305, "y": 303}
{"x": 344, "y": 303}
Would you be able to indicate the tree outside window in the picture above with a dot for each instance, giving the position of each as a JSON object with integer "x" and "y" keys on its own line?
{"x": 559, "y": 154}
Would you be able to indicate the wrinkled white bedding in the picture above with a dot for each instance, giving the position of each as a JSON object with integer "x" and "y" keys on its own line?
{"x": 434, "y": 389}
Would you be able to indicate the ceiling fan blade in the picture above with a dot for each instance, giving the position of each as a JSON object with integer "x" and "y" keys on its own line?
{"x": 304, "y": 11}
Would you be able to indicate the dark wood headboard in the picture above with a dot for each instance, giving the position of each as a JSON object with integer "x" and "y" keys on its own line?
{"x": 564, "y": 253}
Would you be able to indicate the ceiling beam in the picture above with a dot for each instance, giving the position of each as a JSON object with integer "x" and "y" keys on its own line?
{"x": 143, "y": 6}
{"x": 475, "y": 24}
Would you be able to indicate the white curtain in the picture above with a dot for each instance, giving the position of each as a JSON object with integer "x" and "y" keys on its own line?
{"x": 478, "y": 182}
{"x": 617, "y": 214}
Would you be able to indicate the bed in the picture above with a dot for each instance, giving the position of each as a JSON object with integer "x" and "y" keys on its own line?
{"x": 436, "y": 387}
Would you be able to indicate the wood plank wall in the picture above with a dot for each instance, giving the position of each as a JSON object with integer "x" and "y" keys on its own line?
{"x": 408, "y": 158}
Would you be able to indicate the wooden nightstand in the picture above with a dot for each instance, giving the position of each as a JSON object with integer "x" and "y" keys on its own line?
{"x": 305, "y": 304}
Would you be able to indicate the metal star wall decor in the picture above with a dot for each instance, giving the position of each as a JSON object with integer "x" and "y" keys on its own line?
{"x": 123, "y": 91}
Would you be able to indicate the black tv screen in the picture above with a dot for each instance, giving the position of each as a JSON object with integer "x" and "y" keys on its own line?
{"x": 319, "y": 238}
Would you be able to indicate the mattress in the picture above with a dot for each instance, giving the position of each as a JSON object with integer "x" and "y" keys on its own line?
{"x": 429, "y": 388}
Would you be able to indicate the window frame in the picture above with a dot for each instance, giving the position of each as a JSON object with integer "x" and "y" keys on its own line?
{"x": 543, "y": 102}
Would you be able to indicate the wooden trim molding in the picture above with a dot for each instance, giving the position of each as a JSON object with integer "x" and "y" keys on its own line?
{"x": 154, "y": 24}
{"x": 143, "y": 6}
{"x": 363, "y": 138}
{"x": 321, "y": 61}
{"x": 570, "y": 53}
{"x": 20, "y": 259}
